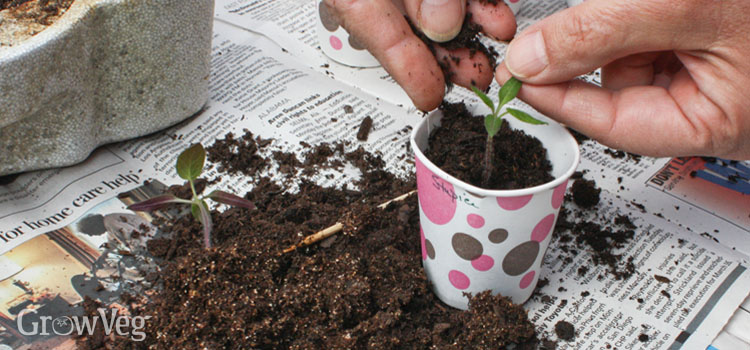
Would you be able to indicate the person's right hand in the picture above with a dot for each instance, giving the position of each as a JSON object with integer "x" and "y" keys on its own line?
{"x": 675, "y": 76}
{"x": 381, "y": 27}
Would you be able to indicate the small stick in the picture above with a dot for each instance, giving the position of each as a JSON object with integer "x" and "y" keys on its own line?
{"x": 332, "y": 230}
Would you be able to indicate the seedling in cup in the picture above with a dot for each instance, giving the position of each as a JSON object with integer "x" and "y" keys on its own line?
{"x": 494, "y": 120}
{"x": 189, "y": 167}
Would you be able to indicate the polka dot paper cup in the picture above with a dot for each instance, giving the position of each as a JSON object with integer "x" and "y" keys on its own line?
{"x": 338, "y": 45}
{"x": 475, "y": 239}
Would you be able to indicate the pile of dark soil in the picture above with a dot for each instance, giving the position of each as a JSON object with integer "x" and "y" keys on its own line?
{"x": 576, "y": 231}
{"x": 457, "y": 147}
{"x": 585, "y": 193}
{"x": 238, "y": 156}
{"x": 565, "y": 330}
{"x": 361, "y": 289}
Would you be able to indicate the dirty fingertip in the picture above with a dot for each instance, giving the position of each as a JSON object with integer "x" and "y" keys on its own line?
{"x": 441, "y": 20}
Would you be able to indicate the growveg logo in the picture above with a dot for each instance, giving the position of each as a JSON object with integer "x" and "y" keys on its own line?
{"x": 108, "y": 319}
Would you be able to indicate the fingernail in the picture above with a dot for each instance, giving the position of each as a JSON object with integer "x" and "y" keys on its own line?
{"x": 527, "y": 55}
{"x": 441, "y": 20}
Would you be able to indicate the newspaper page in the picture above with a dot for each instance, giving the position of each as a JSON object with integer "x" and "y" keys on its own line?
{"x": 291, "y": 24}
{"x": 66, "y": 233}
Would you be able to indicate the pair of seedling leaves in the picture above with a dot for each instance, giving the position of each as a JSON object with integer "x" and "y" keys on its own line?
{"x": 494, "y": 120}
{"x": 189, "y": 167}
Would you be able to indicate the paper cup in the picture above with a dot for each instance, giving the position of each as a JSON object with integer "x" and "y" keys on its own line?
{"x": 475, "y": 239}
{"x": 338, "y": 45}
{"x": 515, "y": 5}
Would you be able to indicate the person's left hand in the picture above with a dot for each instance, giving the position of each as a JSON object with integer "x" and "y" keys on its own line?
{"x": 381, "y": 27}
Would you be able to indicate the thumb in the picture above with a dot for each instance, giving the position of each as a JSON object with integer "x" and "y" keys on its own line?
{"x": 439, "y": 20}
{"x": 583, "y": 38}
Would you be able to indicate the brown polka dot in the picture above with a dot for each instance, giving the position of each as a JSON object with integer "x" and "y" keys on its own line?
{"x": 355, "y": 43}
{"x": 520, "y": 258}
{"x": 328, "y": 19}
{"x": 498, "y": 235}
{"x": 466, "y": 247}
{"x": 430, "y": 249}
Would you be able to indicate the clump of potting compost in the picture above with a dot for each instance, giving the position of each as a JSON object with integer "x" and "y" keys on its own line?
{"x": 578, "y": 230}
{"x": 363, "y": 288}
{"x": 458, "y": 147}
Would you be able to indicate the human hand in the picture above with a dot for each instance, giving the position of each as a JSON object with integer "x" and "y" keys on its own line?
{"x": 381, "y": 27}
{"x": 675, "y": 76}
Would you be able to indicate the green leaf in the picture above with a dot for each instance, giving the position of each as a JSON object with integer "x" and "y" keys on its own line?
{"x": 231, "y": 199}
{"x": 525, "y": 117}
{"x": 195, "y": 209}
{"x": 190, "y": 162}
{"x": 155, "y": 203}
{"x": 492, "y": 124}
{"x": 484, "y": 98}
{"x": 509, "y": 91}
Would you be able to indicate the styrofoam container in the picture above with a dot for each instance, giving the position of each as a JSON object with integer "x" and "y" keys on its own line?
{"x": 105, "y": 71}
{"x": 475, "y": 239}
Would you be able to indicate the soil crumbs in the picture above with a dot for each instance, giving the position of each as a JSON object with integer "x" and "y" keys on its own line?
{"x": 577, "y": 230}
{"x": 361, "y": 289}
{"x": 22, "y": 19}
{"x": 565, "y": 330}
{"x": 458, "y": 146}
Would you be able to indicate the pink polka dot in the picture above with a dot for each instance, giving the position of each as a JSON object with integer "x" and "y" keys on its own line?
{"x": 459, "y": 279}
{"x": 514, "y": 203}
{"x": 527, "y": 279}
{"x": 543, "y": 228}
{"x": 421, "y": 239}
{"x": 436, "y": 196}
{"x": 483, "y": 263}
{"x": 514, "y": 1}
{"x": 558, "y": 194}
{"x": 475, "y": 221}
{"x": 336, "y": 43}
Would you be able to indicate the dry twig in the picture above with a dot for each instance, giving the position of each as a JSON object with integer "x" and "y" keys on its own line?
{"x": 332, "y": 230}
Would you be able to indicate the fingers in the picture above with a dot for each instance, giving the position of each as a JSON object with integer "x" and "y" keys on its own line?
{"x": 439, "y": 20}
{"x": 629, "y": 71}
{"x": 647, "y": 120}
{"x": 591, "y": 35}
{"x": 385, "y": 33}
{"x": 497, "y": 21}
{"x": 466, "y": 69}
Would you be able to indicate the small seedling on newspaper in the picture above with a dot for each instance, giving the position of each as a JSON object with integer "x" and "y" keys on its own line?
{"x": 189, "y": 167}
{"x": 494, "y": 120}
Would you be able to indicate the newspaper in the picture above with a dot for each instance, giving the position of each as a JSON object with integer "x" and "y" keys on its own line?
{"x": 65, "y": 233}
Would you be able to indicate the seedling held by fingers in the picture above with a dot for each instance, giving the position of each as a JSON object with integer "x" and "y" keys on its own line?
{"x": 189, "y": 167}
{"x": 494, "y": 120}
